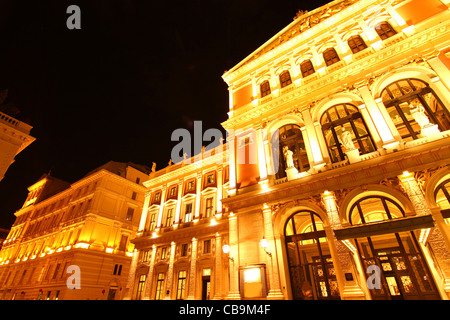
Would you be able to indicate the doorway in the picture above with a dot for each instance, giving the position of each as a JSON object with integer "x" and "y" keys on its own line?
{"x": 404, "y": 274}
{"x": 206, "y": 287}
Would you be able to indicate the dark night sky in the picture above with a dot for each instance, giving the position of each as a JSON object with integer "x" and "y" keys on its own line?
{"x": 117, "y": 88}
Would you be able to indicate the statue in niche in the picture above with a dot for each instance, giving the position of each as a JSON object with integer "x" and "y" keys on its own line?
{"x": 418, "y": 113}
{"x": 288, "y": 155}
{"x": 346, "y": 139}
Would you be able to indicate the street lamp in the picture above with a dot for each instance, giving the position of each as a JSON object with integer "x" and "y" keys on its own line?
{"x": 264, "y": 244}
{"x": 226, "y": 250}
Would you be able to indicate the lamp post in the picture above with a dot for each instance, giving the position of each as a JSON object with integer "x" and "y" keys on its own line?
{"x": 264, "y": 244}
{"x": 226, "y": 250}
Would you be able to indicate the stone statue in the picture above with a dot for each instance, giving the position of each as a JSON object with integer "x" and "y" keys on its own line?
{"x": 346, "y": 139}
{"x": 418, "y": 113}
{"x": 153, "y": 167}
{"x": 288, "y": 155}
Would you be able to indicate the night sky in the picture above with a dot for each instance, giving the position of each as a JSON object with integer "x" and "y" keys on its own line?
{"x": 117, "y": 89}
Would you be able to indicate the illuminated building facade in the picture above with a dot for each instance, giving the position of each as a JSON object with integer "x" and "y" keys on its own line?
{"x": 343, "y": 118}
{"x": 86, "y": 225}
{"x": 14, "y": 137}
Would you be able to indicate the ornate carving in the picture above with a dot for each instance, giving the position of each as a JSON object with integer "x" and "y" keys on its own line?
{"x": 423, "y": 176}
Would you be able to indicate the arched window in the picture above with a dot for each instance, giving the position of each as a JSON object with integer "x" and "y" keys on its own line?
{"x": 442, "y": 196}
{"x": 373, "y": 209}
{"x": 330, "y": 56}
{"x": 307, "y": 68}
{"x": 411, "y": 102}
{"x": 384, "y": 30}
{"x": 289, "y": 135}
{"x": 265, "y": 88}
{"x": 340, "y": 118}
{"x": 356, "y": 44}
{"x": 285, "y": 79}
{"x": 310, "y": 264}
{"x": 403, "y": 271}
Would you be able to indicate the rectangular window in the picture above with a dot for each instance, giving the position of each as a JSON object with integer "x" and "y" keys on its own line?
{"x": 55, "y": 274}
{"x": 130, "y": 213}
{"x": 169, "y": 217}
{"x": 163, "y": 253}
{"x": 160, "y": 287}
{"x": 190, "y": 185}
{"x": 209, "y": 207}
{"x": 157, "y": 196}
{"x": 145, "y": 255}
{"x": 207, "y": 246}
{"x": 188, "y": 212}
{"x": 133, "y": 195}
{"x": 123, "y": 243}
{"x": 181, "y": 286}
{"x": 184, "y": 250}
{"x": 210, "y": 178}
{"x": 152, "y": 224}
{"x": 140, "y": 287}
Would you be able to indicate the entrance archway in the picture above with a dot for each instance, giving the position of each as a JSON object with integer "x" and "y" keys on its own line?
{"x": 403, "y": 272}
{"x": 311, "y": 269}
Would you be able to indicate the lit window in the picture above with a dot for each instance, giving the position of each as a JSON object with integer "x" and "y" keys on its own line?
{"x": 209, "y": 206}
{"x": 412, "y": 104}
{"x": 341, "y": 120}
{"x": 181, "y": 286}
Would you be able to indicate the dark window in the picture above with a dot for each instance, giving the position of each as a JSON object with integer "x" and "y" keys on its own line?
{"x": 356, "y": 44}
{"x": 341, "y": 120}
{"x": 207, "y": 246}
{"x": 285, "y": 79}
{"x": 307, "y": 68}
{"x": 330, "y": 56}
{"x": 384, "y": 30}
{"x": 130, "y": 213}
{"x": 289, "y": 136}
{"x": 265, "y": 88}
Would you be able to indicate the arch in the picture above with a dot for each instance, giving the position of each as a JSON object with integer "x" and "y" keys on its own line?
{"x": 281, "y": 216}
{"x": 274, "y": 125}
{"x": 262, "y": 78}
{"x": 281, "y": 69}
{"x": 416, "y": 72}
{"x": 373, "y": 190}
{"x": 436, "y": 179}
{"x": 325, "y": 104}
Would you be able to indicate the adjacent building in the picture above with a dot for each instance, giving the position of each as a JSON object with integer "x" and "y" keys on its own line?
{"x": 72, "y": 240}
{"x": 335, "y": 176}
{"x": 14, "y": 137}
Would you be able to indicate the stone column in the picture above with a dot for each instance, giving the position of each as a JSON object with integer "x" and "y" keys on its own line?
{"x": 219, "y": 189}
{"x": 342, "y": 260}
{"x": 198, "y": 196}
{"x": 261, "y": 155}
{"x": 131, "y": 276}
{"x": 142, "y": 223}
{"x": 178, "y": 208}
{"x": 193, "y": 270}
{"x": 161, "y": 207}
{"x": 234, "y": 293}
{"x": 169, "y": 280}
{"x": 231, "y": 160}
{"x": 275, "y": 292}
{"x": 218, "y": 279}
{"x": 436, "y": 238}
{"x": 149, "y": 279}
